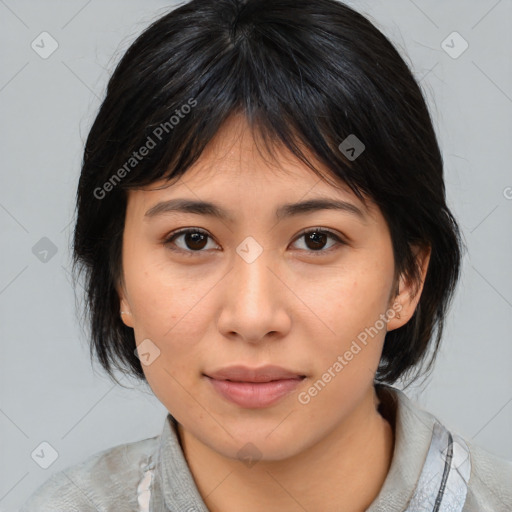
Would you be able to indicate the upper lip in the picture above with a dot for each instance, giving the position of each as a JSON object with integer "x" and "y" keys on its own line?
{"x": 266, "y": 373}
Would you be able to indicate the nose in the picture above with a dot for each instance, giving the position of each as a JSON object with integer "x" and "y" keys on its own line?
{"x": 254, "y": 305}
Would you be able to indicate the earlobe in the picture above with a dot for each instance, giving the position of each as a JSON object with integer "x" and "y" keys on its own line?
{"x": 124, "y": 308}
{"x": 125, "y": 313}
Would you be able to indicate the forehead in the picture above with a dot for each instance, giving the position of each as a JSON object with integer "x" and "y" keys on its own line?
{"x": 236, "y": 152}
{"x": 236, "y": 167}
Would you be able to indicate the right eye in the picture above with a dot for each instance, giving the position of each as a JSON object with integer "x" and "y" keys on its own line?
{"x": 193, "y": 240}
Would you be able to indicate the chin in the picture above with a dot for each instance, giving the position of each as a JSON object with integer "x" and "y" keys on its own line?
{"x": 263, "y": 446}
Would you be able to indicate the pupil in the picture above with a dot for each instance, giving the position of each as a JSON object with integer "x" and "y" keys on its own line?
{"x": 195, "y": 240}
{"x": 314, "y": 237}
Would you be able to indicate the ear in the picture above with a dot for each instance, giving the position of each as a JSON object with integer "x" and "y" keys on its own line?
{"x": 124, "y": 306}
{"x": 408, "y": 293}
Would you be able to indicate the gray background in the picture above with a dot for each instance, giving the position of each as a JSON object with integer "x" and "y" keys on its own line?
{"x": 50, "y": 392}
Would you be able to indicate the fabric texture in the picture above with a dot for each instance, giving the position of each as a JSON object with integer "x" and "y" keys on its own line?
{"x": 432, "y": 469}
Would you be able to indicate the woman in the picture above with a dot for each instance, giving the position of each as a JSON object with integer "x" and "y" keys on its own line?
{"x": 263, "y": 230}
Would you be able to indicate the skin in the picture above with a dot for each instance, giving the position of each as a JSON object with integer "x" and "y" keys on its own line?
{"x": 292, "y": 306}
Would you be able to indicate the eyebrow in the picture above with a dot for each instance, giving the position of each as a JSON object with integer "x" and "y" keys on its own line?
{"x": 180, "y": 205}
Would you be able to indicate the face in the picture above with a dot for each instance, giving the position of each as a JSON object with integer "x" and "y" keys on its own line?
{"x": 251, "y": 288}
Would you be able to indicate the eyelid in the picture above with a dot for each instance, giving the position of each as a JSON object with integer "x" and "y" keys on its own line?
{"x": 170, "y": 237}
{"x": 320, "y": 229}
{"x": 340, "y": 240}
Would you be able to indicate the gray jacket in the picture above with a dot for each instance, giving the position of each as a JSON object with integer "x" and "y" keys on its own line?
{"x": 432, "y": 470}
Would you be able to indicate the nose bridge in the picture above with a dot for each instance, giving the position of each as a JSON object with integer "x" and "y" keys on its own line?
{"x": 251, "y": 302}
{"x": 252, "y": 275}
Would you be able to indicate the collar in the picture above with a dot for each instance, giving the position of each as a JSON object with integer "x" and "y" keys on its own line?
{"x": 430, "y": 468}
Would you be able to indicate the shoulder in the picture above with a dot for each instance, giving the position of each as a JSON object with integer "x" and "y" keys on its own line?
{"x": 105, "y": 481}
{"x": 489, "y": 486}
{"x": 488, "y": 476}
{"x": 490, "y": 483}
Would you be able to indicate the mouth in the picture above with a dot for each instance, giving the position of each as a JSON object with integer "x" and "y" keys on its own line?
{"x": 254, "y": 387}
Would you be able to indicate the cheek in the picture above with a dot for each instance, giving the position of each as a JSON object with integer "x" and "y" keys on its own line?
{"x": 173, "y": 316}
{"x": 160, "y": 298}
{"x": 355, "y": 298}
{"x": 348, "y": 321}
{"x": 175, "y": 331}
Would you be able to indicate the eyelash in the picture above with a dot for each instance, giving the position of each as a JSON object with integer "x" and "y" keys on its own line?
{"x": 170, "y": 239}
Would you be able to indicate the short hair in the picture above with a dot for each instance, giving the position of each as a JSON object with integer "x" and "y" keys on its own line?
{"x": 304, "y": 75}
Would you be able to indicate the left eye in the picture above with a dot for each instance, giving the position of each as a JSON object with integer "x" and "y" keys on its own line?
{"x": 196, "y": 239}
{"x": 316, "y": 238}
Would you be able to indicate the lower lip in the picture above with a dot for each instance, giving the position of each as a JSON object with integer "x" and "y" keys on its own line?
{"x": 255, "y": 395}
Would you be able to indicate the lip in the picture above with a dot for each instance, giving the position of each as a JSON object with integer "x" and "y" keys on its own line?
{"x": 267, "y": 373}
{"x": 255, "y": 395}
{"x": 254, "y": 388}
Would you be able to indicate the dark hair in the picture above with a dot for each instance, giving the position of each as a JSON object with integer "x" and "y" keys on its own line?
{"x": 304, "y": 74}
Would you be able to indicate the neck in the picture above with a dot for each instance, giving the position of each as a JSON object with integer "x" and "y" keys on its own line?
{"x": 348, "y": 466}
